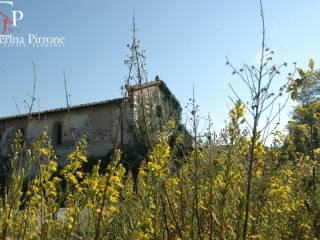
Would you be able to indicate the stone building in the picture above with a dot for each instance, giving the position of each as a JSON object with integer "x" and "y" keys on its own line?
{"x": 106, "y": 124}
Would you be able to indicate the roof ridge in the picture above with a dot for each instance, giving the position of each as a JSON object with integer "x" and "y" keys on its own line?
{"x": 95, "y": 103}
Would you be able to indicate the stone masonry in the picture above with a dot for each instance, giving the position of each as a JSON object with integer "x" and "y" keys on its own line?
{"x": 106, "y": 124}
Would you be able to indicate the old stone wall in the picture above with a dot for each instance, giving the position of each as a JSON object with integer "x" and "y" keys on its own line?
{"x": 99, "y": 123}
{"x": 106, "y": 125}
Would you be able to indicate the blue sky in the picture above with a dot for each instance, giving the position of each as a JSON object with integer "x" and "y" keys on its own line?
{"x": 186, "y": 42}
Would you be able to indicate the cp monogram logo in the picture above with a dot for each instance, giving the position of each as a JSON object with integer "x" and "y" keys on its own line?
{"x": 9, "y": 23}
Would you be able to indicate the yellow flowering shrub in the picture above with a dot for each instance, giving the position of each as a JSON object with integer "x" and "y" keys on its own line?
{"x": 199, "y": 194}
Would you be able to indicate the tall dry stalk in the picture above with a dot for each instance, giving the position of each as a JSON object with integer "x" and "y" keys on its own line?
{"x": 258, "y": 80}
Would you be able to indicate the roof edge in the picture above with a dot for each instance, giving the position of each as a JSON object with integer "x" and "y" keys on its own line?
{"x": 62, "y": 109}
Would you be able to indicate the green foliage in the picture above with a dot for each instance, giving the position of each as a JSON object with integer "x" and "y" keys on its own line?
{"x": 306, "y": 88}
{"x": 174, "y": 105}
{"x": 303, "y": 141}
{"x": 304, "y": 130}
{"x": 104, "y": 204}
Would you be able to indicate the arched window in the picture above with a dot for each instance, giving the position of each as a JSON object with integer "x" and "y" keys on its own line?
{"x": 23, "y": 135}
{"x": 57, "y": 133}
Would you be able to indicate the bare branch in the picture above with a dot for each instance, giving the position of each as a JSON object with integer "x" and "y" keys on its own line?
{"x": 16, "y": 105}
{"x": 67, "y": 96}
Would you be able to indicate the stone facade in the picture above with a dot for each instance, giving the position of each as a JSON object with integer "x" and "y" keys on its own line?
{"x": 105, "y": 124}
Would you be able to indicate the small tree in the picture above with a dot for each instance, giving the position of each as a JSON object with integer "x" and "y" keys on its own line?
{"x": 151, "y": 108}
{"x": 258, "y": 79}
{"x": 304, "y": 133}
